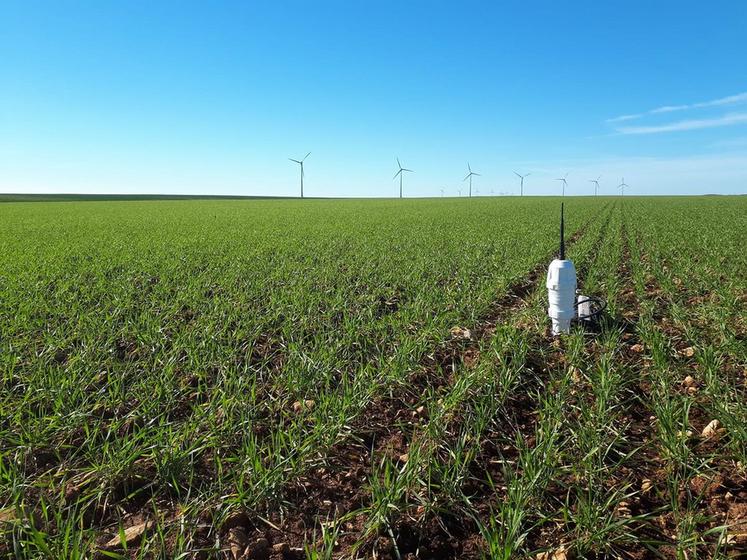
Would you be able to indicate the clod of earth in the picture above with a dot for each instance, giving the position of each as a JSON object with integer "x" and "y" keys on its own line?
{"x": 258, "y": 550}
{"x": 460, "y": 332}
{"x": 237, "y": 541}
{"x": 304, "y": 406}
{"x": 281, "y": 548}
{"x": 688, "y": 352}
{"x": 7, "y": 515}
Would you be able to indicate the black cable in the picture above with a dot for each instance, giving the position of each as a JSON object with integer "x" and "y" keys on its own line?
{"x": 601, "y": 303}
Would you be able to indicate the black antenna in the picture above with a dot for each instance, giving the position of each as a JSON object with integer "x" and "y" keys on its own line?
{"x": 562, "y": 234}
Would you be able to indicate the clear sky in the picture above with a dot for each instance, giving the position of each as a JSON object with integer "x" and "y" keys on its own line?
{"x": 213, "y": 97}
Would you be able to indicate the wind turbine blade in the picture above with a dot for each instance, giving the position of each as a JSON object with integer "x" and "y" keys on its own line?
{"x": 307, "y": 155}
{"x": 476, "y": 174}
{"x": 527, "y": 175}
{"x": 410, "y": 170}
{"x": 519, "y": 176}
{"x": 468, "y": 167}
{"x": 397, "y": 173}
{"x": 295, "y": 160}
{"x": 399, "y": 164}
{"x": 467, "y": 177}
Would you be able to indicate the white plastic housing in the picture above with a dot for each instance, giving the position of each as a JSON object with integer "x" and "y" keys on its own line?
{"x": 583, "y": 308}
{"x": 561, "y": 294}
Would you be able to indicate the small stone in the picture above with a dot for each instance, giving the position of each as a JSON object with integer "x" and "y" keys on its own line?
{"x": 689, "y": 381}
{"x": 712, "y": 429}
{"x": 688, "y": 352}
{"x": 403, "y": 458}
{"x": 637, "y": 348}
{"x": 131, "y": 535}
{"x": 646, "y": 486}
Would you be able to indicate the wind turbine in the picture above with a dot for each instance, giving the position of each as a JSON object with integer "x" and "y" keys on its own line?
{"x": 596, "y": 185}
{"x": 522, "y": 180}
{"x": 401, "y": 172}
{"x": 565, "y": 183}
{"x": 469, "y": 176}
{"x": 442, "y": 193}
{"x": 460, "y": 192}
{"x": 622, "y": 186}
{"x": 301, "y": 164}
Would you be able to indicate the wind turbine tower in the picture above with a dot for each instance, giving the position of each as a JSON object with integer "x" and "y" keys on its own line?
{"x": 469, "y": 176}
{"x": 301, "y": 164}
{"x": 522, "y": 181}
{"x": 565, "y": 183}
{"x": 401, "y": 172}
{"x": 596, "y": 185}
{"x": 622, "y": 186}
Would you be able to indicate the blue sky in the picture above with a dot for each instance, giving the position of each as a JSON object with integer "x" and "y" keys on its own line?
{"x": 212, "y": 98}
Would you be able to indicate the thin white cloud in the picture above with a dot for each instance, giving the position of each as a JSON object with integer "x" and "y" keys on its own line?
{"x": 720, "y": 102}
{"x": 692, "y": 124}
{"x": 623, "y": 118}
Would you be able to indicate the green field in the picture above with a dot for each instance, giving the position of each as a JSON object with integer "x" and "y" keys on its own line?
{"x": 348, "y": 378}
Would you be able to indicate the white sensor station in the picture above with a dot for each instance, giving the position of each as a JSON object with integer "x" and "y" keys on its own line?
{"x": 561, "y": 288}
